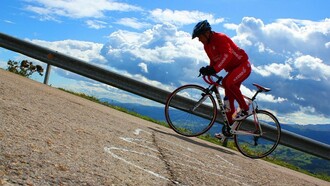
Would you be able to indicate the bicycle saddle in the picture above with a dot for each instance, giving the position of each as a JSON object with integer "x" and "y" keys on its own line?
{"x": 261, "y": 88}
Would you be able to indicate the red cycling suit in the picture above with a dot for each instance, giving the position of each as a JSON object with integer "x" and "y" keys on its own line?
{"x": 225, "y": 54}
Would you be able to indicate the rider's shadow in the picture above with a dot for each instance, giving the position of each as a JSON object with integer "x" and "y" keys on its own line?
{"x": 194, "y": 141}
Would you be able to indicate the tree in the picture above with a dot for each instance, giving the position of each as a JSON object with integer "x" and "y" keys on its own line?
{"x": 25, "y": 68}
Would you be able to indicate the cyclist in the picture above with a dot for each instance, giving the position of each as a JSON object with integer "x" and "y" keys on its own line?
{"x": 224, "y": 54}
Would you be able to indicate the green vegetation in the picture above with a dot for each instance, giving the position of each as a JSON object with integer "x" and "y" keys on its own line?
{"x": 24, "y": 68}
{"x": 283, "y": 156}
{"x": 300, "y": 161}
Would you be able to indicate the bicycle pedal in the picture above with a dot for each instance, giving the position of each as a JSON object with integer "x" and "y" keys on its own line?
{"x": 223, "y": 140}
{"x": 220, "y": 137}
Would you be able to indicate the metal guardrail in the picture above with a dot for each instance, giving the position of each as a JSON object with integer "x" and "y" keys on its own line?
{"x": 83, "y": 68}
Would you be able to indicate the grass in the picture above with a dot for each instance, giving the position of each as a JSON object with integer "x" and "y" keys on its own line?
{"x": 94, "y": 99}
{"x": 205, "y": 137}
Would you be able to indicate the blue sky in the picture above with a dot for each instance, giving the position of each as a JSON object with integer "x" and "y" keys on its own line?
{"x": 288, "y": 43}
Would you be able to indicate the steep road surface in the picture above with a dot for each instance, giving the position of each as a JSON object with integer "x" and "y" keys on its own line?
{"x": 49, "y": 137}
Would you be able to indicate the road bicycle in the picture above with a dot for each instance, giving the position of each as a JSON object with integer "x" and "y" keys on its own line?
{"x": 191, "y": 110}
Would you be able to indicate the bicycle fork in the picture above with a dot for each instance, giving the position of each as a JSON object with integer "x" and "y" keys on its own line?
{"x": 199, "y": 102}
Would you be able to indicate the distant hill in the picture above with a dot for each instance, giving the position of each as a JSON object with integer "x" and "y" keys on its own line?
{"x": 319, "y": 132}
{"x": 156, "y": 113}
{"x": 316, "y": 127}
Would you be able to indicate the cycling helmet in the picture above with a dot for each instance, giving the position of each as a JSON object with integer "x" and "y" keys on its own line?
{"x": 200, "y": 28}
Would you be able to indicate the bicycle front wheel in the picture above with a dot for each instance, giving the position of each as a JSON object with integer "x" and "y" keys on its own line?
{"x": 258, "y": 141}
{"x": 190, "y": 110}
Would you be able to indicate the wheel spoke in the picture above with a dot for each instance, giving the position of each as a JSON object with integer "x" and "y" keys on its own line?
{"x": 262, "y": 145}
{"x": 190, "y": 111}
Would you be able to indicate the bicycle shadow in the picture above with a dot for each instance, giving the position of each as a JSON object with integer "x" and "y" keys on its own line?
{"x": 190, "y": 140}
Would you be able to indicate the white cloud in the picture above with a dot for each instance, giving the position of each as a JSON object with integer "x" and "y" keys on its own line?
{"x": 303, "y": 116}
{"x": 264, "y": 97}
{"x": 286, "y": 35}
{"x": 133, "y": 23}
{"x": 230, "y": 26}
{"x": 282, "y": 70}
{"x": 78, "y": 8}
{"x": 8, "y": 21}
{"x": 182, "y": 17}
{"x": 327, "y": 45}
{"x": 96, "y": 24}
{"x": 271, "y": 98}
{"x": 87, "y": 51}
{"x": 144, "y": 67}
{"x": 310, "y": 67}
{"x": 169, "y": 54}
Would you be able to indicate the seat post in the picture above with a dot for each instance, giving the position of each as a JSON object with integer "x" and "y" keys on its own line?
{"x": 255, "y": 95}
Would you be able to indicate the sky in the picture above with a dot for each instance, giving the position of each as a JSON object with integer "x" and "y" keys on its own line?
{"x": 288, "y": 43}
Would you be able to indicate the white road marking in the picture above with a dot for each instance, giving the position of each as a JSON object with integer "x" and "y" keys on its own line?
{"x": 109, "y": 150}
{"x": 182, "y": 159}
{"x": 137, "y": 131}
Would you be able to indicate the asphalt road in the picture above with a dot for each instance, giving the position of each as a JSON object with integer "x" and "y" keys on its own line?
{"x": 49, "y": 137}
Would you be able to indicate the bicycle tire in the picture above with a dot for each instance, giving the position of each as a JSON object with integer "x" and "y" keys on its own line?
{"x": 261, "y": 146}
{"x": 179, "y": 114}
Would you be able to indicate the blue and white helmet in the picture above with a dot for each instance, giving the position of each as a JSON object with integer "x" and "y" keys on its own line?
{"x": 200, "y": 28}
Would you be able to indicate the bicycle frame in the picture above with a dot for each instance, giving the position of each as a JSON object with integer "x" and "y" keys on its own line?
{"x": 213, "y": 88}
{"x": 191, "y": 110}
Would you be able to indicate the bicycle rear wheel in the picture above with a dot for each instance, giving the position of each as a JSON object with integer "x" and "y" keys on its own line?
{"x": 254, "y": 142}
{"x": 190, "y": 110}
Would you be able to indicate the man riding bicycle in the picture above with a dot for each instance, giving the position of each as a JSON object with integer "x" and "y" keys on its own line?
{"x": 225, "y": 54}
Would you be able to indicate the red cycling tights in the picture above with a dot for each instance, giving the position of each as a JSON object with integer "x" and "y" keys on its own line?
{"x": 232, "y": 83}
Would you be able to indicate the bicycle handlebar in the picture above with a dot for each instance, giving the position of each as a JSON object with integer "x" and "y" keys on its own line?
{"x": 209, "y": 80}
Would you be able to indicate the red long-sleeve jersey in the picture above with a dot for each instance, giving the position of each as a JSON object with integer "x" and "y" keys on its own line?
{"x": 224, "y": 53}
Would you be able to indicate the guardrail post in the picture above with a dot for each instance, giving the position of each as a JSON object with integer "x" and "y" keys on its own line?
{"x": 47, "y": 74}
